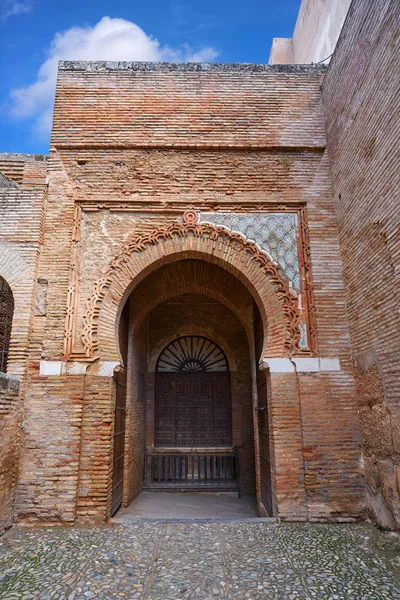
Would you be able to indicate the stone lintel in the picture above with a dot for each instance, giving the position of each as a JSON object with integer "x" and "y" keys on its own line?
{"x": 300, "y": 365}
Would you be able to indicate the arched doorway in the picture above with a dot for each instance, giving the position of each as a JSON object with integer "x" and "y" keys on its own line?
{"x": 190, "y": 380}
{"x": 193, "y": 419}
{"x": 6, "y": 317}
{"x": 241, "y": 272}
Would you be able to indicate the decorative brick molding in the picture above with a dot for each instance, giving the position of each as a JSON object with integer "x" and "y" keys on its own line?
{"x": 308, "y": 339}
{"x": 73, "y": 288}
{"x": 214, "y": 243}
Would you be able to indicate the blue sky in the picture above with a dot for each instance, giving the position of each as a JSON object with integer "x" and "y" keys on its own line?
{"x": 35, "y": 34}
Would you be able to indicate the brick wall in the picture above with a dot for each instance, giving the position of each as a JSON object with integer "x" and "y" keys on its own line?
{"x": 89, "y": 471}
{"x": 10, "y": 434}
{"x": 23, "y": 197}
{"x": 361, "y": 101}
{"x": 159, "y": 104}
{"x": 48, "y": 473}
{"x": 135, "y": 434}
{"x": 22, "y": 208}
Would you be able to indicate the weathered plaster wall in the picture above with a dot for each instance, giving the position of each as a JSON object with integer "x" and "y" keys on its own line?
{"x": 362, "y": 102}
{"x": 281, "y": 52}
{"x": 315, "y": 35}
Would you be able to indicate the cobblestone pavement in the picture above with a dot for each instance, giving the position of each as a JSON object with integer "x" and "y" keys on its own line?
{"x": 197, "y": 560}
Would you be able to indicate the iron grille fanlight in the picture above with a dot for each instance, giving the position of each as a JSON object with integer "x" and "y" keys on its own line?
{"x": 192, "y": 354}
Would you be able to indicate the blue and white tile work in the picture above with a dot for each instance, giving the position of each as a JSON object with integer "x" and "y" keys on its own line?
{"x": 275, "y": 233}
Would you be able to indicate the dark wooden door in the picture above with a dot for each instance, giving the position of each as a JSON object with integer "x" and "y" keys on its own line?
{"x": 193, "y": 410}
{"x": 262, "y": 416}
{"x": 120, "y": 416}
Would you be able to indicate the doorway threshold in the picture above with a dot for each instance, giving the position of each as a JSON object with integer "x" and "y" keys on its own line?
{"x": 186, "y": 507}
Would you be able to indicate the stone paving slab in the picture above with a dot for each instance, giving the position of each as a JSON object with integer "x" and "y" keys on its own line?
{"x": 163, "y": 505}
{"x": 198, "y": 560}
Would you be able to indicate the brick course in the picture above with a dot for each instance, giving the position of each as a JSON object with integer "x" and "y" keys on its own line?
{"x": 153, "y": 104}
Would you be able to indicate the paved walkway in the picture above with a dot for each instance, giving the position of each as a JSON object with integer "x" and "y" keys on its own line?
{"x": 162, "y": 505}
{"x": 162, "y": 561}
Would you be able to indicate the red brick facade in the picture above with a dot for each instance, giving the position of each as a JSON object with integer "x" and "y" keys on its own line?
{"x": 146, "y": 160}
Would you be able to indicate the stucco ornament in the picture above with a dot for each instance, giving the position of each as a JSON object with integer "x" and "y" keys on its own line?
{"x": 213, "y": 235}
{"x": 190, "y": 217}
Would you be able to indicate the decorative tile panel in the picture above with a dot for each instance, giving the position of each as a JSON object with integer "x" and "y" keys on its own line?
{"x": 274, "y": 233}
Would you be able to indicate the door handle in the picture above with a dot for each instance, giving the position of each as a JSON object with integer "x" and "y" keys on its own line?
{"x": 260, "y": 408}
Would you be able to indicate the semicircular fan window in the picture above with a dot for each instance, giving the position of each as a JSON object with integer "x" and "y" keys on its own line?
{"x": 192, "y": 354}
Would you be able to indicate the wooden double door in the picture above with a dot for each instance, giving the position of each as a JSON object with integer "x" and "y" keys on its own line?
{"x": 120, "y": 416}
{"x": 262, "y": 421}
{"x": 193, "y": 410}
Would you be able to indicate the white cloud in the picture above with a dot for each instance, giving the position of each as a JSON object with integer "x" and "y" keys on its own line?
{"x": 110, "y": 39}
{"x": 12, "y": 8}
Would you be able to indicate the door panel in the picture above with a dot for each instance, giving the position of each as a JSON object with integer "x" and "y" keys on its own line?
{"x": 263, "y": 420}
{"x": 181, "y": 416}
{"x": 120, "y": 415}
{"x": 202, "y": 412}
{"x": 222, "y": 410}
{"x": 165, "y": 411}
{"x": 193, "y": 410}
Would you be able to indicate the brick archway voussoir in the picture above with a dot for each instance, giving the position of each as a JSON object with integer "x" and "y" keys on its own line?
{"x": 174, "y": 242}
